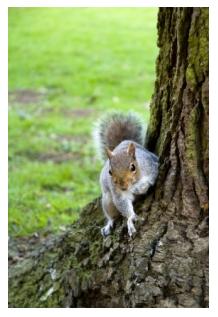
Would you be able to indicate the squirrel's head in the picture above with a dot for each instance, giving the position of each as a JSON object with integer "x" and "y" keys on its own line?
{"x": 123, "y": 167}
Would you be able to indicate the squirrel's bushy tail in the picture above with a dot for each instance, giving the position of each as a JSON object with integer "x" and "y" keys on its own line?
{"x": 116, "y": 127}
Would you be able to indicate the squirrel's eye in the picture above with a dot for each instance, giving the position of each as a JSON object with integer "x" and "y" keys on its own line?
{"x": 110, "y": 172}
{"x": 132, "y": 168}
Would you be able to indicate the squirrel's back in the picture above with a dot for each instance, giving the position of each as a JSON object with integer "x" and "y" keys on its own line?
{"x": 116, "y": 127}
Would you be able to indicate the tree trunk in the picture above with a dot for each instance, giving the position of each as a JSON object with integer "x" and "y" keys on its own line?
{"x": 166, "y": 264}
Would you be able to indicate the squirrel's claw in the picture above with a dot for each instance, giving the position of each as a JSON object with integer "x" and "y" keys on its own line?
{"x": 105, "y": 231}
{"x": 131, "y": 230}
{"x": 131, "y": 227}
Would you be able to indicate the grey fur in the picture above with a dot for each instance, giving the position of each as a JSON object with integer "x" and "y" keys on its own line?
{"x": 122, "y": 200}
{"x": 116, "y": 131}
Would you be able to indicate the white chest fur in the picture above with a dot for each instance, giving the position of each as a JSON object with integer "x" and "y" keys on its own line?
{"x": 127, "y": 195}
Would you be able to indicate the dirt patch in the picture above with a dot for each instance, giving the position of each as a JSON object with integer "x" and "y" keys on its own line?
{"x": 83, "y": 138}
{"x": 25, "y": 96}
{"x": 56, "y": 157}
{"x": 57, "y": 188}
{"x": 79, "y": 112}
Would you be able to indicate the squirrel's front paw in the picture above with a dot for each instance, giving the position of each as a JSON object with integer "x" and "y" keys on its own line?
{"x": 105, "y": 231}
{"x": 131, "y": 227}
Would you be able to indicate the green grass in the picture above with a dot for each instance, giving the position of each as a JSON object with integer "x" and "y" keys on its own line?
{"x": 79, "y": 63}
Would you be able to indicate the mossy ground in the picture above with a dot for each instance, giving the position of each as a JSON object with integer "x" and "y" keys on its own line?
{"x": 67, "y": 67}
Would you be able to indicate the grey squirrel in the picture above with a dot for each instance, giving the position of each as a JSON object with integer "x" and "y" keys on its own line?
{"x": 129, "y": 169}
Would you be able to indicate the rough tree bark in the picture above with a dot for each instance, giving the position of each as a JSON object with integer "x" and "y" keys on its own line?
{"x": 166, "y": 264}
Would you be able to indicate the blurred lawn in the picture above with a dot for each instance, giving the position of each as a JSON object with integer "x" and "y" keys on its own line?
{"x": 66, "y": 67}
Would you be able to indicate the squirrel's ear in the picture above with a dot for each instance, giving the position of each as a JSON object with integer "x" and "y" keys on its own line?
{"x": 109, "y": 153}
{"x": 131, "y": 150}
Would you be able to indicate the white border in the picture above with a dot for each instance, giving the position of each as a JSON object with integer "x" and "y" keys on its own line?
{"x": 4, "y": 150}
{"x": 109, "y": 3}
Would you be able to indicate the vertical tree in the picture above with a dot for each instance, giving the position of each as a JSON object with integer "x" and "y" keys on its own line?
{"x": 166, "y": 264}
{"x": 178, "y": 128}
